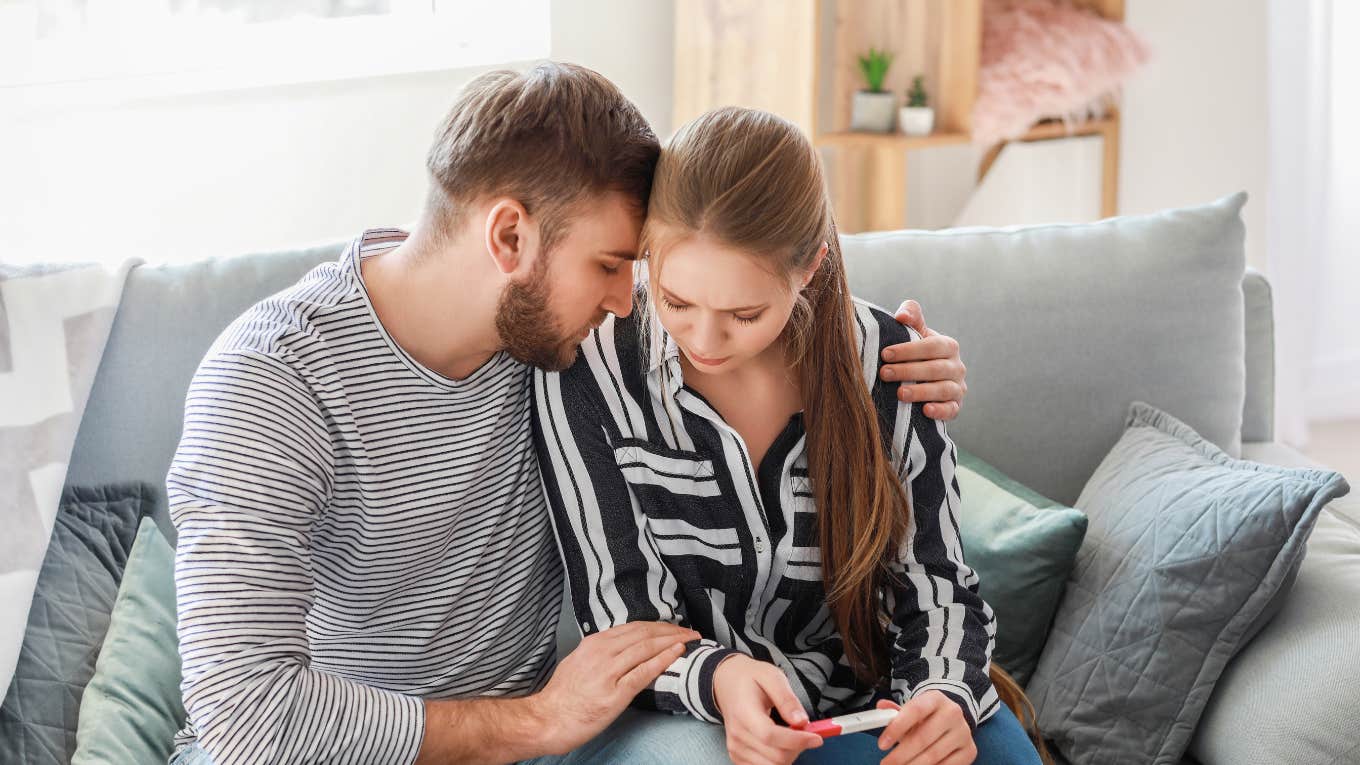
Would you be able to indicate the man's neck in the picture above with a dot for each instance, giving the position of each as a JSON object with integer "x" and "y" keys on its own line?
{"x": 437, "y": 300}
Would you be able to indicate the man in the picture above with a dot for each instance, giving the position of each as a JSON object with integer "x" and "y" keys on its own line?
{"x": 365, "y": 569}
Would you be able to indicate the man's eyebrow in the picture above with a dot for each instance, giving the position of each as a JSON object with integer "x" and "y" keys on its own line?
{"x": 621, "y": 254}
{"x": 677, "y": 299}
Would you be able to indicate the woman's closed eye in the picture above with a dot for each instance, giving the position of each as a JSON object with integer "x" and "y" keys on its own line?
{"x": 674, "y": 306}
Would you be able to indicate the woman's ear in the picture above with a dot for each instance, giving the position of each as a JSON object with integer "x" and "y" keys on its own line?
{"x": 509, "y": 235}
{"x": 816, "y": 264}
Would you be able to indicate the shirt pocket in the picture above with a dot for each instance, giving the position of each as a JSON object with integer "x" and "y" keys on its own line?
{"x": 658, "y": 469}
{"x": 681, "y": 498}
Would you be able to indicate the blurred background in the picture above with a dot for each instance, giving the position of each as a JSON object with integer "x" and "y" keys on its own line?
{"x": 181, "y": 129}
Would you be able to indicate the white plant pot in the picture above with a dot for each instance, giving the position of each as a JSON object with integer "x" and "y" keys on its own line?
{"x": 916, "y": 120}
{"x": 873, "y": 111}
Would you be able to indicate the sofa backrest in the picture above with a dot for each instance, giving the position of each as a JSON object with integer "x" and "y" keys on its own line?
{"x": 1068, "y": 371}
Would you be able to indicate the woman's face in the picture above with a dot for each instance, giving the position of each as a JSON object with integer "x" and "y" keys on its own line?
{"x": 721, "y": 304}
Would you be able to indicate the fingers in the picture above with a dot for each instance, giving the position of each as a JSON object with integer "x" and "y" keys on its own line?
{"x": 639, "y": 652}
{"x": 908, "y": 716}
{"x": 775, "y": 684}
{"x": 933, "y": 346}
{"x": 910, "y": 314}
{"x": 946, "y": 749}
{"x": 938, "y": 391}
{"x": 758, "y": 739}
{"x": 925, "y": 737}
{"x": 927, "y": 371}
{"x": 634, "y": 680}
{"x": 624, "y": 635}
{"x": 943, "y": 412}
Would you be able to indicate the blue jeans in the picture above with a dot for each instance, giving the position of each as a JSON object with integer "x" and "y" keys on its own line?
{"x": 644, "y": 738}
{"x": 657, "y": 738}
{"x": 999, "y": 741}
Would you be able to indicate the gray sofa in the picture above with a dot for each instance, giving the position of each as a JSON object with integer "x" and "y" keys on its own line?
{"x": 1037, "y": 376}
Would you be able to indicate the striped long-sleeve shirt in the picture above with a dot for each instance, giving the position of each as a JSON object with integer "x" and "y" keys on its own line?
{"x": 662, "y": 517}
{"x": 356, "y": 532}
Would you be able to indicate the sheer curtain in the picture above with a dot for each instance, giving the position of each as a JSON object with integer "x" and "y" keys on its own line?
{"x": 1313, "y": 202}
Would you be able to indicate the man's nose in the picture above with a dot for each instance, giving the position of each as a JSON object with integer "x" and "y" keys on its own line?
{"x": 619, "y": 299}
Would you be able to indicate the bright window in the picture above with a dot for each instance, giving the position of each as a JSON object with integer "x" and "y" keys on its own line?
{"x": 107, "y": 48}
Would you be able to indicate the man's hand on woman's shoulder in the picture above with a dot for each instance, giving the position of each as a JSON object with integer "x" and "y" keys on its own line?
{"x": 931, "y": 363}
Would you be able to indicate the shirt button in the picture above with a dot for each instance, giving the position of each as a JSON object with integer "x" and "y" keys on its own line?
{"x": 760, "y": 545}
{"x": 586, "y": 626}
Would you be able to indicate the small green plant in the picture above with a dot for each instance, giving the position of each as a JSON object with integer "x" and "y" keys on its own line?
{"x": 917, "y": 95}
{"x": 874, "y": 66}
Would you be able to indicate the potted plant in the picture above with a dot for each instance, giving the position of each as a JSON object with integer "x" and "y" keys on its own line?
{"x": 916, "y": 118}
{"x": 872, "y": 108}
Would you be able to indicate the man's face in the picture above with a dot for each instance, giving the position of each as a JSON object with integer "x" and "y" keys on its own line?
{"x": 587, "y": 275}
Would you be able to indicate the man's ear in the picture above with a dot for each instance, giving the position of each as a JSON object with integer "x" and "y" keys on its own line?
{"x": 510, "y": 237}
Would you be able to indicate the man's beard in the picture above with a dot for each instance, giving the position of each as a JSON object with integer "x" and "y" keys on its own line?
{"x": 528, "y": 330}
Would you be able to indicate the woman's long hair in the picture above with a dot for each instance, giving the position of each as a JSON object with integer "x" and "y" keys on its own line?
{"x": 751, "y": 180}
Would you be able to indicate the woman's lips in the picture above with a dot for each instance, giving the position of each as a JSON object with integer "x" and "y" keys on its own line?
{"x": 696, "y": 358}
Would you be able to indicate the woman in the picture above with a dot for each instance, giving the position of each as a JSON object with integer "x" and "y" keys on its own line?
{"x": 726, "y": 458}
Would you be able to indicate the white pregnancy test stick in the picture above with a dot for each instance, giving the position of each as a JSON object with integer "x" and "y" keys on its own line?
{"x": 853, "y": 723}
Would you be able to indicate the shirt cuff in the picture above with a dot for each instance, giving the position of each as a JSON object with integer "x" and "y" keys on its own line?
{"x": 697, "y": 682}
{"x": 956, "y": 692}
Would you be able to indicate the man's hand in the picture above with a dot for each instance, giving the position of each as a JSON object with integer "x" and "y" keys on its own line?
{"x": 930, "y": 729}
{"x": 746, "y": 690}
{"x": 933, "y": 364}
{"x": 594, "y": 684}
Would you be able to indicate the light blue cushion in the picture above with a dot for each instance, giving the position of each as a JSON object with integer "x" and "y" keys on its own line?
{"x": 168, "y": 317}
{"x": 132, "y": 706}
{"x": 1186, "y": 549}
{"x": 1063, "y": 325}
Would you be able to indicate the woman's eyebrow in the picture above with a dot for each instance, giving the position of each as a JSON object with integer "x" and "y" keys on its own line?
{"x": 674, "y": 298}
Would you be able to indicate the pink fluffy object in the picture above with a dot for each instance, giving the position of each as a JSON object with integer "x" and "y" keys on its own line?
{"x": 1047, "y": 58}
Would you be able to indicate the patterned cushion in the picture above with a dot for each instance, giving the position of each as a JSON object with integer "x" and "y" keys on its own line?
{"x": 1186, "y": 548}
{"x": 93, "y": 533}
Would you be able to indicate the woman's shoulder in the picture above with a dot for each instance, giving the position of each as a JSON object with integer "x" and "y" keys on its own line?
{"x": 876, "y": 329}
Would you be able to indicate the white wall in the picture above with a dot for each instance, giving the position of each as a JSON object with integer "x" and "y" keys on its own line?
{"x": 258, "y": 169}
{"x": 1194, "y": 124}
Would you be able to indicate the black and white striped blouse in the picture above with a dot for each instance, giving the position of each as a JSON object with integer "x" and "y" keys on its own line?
{"x": 662, "y": 517}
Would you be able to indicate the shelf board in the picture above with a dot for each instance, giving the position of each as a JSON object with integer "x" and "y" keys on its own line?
{"x": 896, "y": 140}
{"x": 1040, "y": 132}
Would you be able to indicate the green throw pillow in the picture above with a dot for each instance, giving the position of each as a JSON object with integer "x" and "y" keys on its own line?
{"x": 1022, "y": 546}
{"x": 131, "y": 708}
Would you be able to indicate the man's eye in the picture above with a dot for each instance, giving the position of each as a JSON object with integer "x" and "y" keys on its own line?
{"x": 609, "y": 269}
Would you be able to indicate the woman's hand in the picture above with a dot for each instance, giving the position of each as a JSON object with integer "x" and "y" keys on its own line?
{"x": 930, "y": 729}
{"x": 746, "y": 690}
{"x": 932, "y": 363}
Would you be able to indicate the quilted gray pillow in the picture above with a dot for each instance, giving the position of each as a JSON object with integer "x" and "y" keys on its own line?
{"x": 91, "y": 537}
{"x": 1185, "y": 549}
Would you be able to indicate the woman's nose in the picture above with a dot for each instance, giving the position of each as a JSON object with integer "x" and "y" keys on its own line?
{"x": 708, "y": 335}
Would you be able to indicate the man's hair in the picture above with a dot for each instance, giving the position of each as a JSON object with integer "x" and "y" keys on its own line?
{"x": 548, "y": 138}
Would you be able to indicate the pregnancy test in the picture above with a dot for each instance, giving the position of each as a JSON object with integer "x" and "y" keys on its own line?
{"x": 854, "y": 723}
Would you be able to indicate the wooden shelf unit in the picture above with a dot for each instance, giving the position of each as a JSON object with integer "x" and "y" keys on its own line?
{"x": 796, "y": 58}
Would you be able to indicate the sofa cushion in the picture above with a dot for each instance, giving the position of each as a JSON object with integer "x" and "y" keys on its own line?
{"x": 92, "y": 534}
{"x": 1022, "y": 546}
{"x": 1186, "y": 549}
{"x": 1291, "y": 695}
{"x": 1063, "y": 325}
{"x": 132, "y": 706}
{"x": 168, "y": 318}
